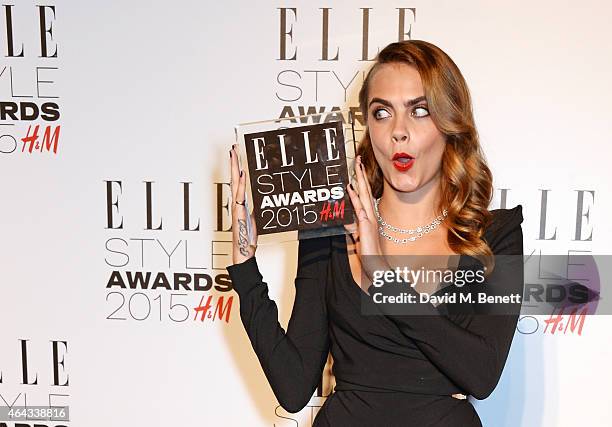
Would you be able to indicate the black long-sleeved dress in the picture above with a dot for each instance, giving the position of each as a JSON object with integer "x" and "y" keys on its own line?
{"x": 390, "y": 370}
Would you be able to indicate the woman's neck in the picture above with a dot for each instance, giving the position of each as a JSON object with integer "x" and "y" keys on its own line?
{"x": 410, "y": 209}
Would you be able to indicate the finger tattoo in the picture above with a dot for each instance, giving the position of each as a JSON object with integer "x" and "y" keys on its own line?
{"x": 243, "y": 240}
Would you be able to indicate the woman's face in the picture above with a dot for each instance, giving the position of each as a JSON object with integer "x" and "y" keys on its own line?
{"x": 407, "y": 145}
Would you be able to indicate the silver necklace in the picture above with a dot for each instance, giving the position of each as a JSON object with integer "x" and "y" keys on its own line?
{"x": 415, "y": 233}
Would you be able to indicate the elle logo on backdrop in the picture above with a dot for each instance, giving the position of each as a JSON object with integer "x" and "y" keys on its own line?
{"x": 28, "y": 91}
{"x": 297, "y": 177}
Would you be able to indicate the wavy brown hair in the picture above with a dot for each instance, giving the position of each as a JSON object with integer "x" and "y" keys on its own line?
{"x": 466, "y": 185}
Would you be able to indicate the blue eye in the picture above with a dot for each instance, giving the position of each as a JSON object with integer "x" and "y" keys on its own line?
{"x": 424, "y": 113}
{"x": 379, "y": 117}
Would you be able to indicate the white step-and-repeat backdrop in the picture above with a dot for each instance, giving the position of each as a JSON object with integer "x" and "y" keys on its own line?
{"x": 115, "y": 122}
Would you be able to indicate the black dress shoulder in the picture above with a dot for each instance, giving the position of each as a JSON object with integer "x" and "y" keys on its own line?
{"x": 390, "y": 370}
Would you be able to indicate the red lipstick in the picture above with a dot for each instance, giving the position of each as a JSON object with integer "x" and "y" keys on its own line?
{"x": 403, "y": 161}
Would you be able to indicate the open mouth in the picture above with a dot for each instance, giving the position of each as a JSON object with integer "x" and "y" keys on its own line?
{"x": 403, "y": 161}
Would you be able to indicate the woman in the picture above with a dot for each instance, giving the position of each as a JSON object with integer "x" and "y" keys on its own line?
{"x": 422, "y": 157}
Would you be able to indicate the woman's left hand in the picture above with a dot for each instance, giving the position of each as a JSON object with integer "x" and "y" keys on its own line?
{"x": 365, "y": 233}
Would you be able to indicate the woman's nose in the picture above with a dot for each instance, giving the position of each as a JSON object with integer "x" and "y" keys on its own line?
{"x": 400, "y": 132}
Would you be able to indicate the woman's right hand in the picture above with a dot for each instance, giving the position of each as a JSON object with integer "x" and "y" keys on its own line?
{"x": 242, "y": 247}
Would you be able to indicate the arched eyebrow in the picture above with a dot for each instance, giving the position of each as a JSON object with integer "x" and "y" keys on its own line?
{"x": 408, "y": 103}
